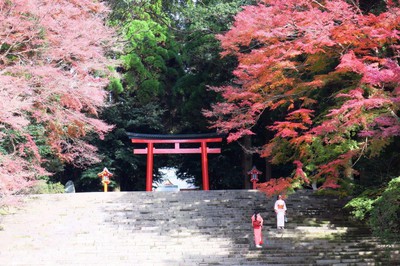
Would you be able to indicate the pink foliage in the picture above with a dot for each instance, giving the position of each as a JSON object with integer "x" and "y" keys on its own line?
{"x": 275, "y": 32}
{"x": 332, "y": 170}
{"x": 275, "y": 186}
{"x": 281, "y": 185}
{"x": 52, "y": 73}
{"x": 330, "y": 182}
{"x": 349, "y": 61}
{"x": 382, "y": 127}
{"x": 15, "y": 176}
{"x": 352, "y": 114}
{"x": 287, "y": 129}
{"x": 297, "y": 121}
{"x": 299, "y": 173}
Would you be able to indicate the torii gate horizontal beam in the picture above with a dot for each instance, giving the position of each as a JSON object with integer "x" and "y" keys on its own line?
{"x": 152, "y": 139}
{"x": 176, "y": 151}
{"x": 161, "y": 137}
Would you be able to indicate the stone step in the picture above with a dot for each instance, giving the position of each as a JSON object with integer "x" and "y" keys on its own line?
{"x": 183, "y": 228}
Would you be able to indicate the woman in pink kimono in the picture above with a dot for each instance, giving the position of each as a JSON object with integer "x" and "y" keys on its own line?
{"x": 257, "y": 223}
{"x": 280, "y": 210}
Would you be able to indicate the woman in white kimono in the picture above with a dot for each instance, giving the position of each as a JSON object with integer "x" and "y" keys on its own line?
{"x": 280, "y": 210}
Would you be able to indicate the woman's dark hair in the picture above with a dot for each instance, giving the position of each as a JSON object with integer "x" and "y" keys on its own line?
{"x": 255, "y": 215}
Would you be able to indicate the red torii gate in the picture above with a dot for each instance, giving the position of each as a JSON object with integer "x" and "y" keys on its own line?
{"x": 152, "y": 139}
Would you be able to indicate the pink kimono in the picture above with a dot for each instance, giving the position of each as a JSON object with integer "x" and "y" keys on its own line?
{"x": 257, "y": 226}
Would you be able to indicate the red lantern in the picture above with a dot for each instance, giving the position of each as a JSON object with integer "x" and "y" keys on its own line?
{"x": 254, "y": 173}
{"x": 105, "y": 178}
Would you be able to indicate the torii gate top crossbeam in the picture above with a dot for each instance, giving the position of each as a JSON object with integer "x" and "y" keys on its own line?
{"x": 159, "y": 137}
{"x": 175, "y": 139}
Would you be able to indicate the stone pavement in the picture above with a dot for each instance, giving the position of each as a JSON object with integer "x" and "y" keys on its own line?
{"x": 183, "y": 228}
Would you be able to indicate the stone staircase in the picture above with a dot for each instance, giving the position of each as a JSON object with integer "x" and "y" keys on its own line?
{"x": 184, "y": 228}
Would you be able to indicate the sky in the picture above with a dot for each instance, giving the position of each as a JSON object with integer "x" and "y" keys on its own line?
{"x": 169, "y": 174}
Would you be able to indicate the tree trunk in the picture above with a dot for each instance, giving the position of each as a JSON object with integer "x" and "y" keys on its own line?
{"x": 268, "y": 169}
{"x": 247, "y": 162}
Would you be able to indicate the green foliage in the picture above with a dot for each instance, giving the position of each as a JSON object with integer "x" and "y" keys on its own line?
{"x": 361, "y": 206}
{"x": 10, "y": 140}
{"x": 385, "y": 216}
{"x": 128, "y": 115}
{"x": 89, "y": 180}
{"x": 170, "y": 56}
{"x": 375, "y": 7}
{"x": 13, "y": 140}
{"x": 149, "y": 90}
{"x": 43, "y": 187}
{"x": 337, "y": 193}
{"x": 150, "y": 60}
{"x": 380, "y": 208}
{"x": 202, "y": 22}
{"x": 115, "y": 85}
{"x": 51, "y": 163}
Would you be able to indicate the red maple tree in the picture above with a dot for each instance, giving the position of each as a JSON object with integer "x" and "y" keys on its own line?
{"x": 52, "y": 73}
{"x": 289, "y": 51}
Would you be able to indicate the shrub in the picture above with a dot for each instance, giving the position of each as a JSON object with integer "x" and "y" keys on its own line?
{"x": 385, "y": 215}
{"x": 361, "y": 206}
{"x": 43, "y": 187}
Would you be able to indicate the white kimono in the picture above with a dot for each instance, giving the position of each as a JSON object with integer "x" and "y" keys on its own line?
{"x": 280, "y": 210}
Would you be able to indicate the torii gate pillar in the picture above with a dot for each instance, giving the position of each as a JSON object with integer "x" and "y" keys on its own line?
{"x": 149, "y": 167}
{"x": 152, "y": 139}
